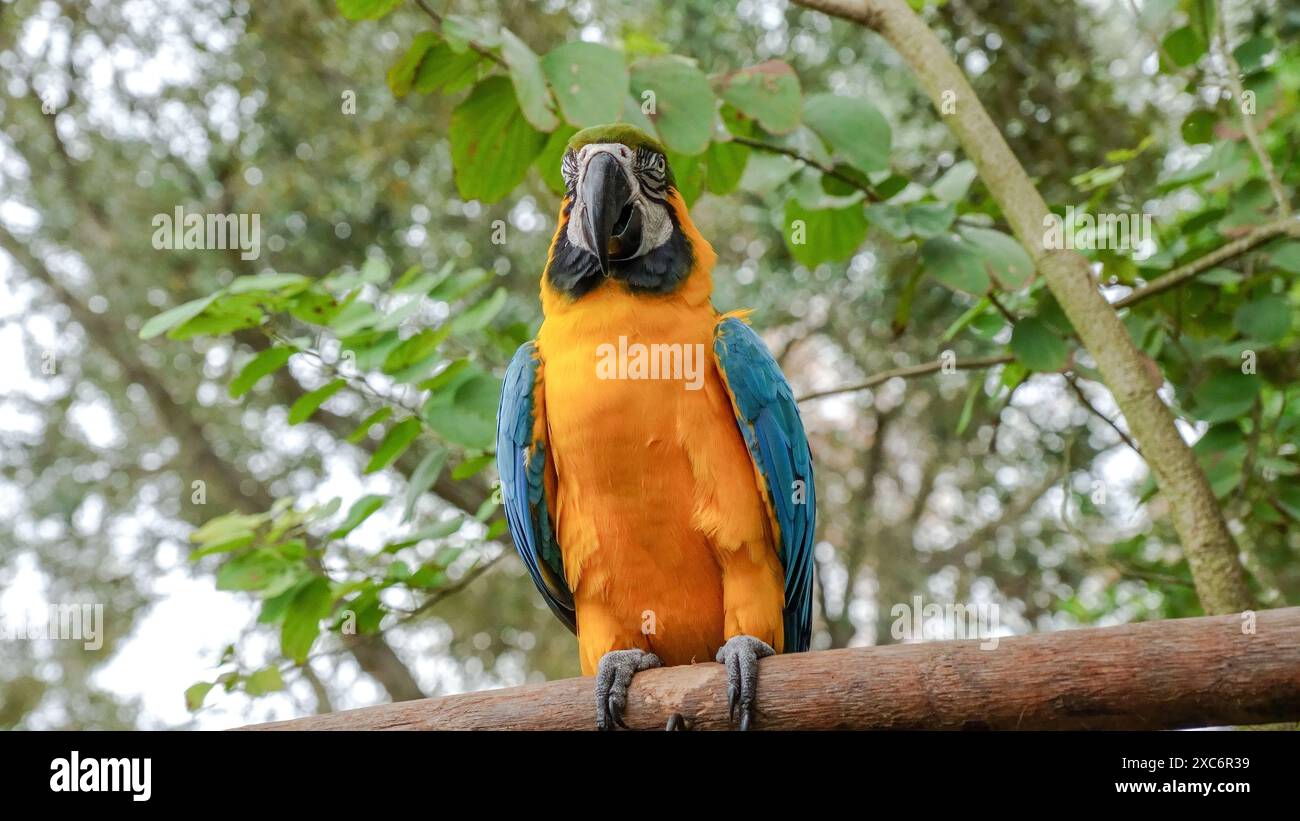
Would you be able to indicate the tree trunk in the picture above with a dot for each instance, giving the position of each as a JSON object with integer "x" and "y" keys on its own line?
{"x": 1197, "y": 518}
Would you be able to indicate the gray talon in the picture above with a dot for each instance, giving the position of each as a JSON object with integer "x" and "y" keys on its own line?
{"x": 613, "y": 677}
{"x": 676, "y": 722}
{"x": 740, "y": 655}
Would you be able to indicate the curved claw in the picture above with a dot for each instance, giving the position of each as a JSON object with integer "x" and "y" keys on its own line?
{"x": 740, "y": 655}
{"x": 616, "y": 712}
{"x": 677, "y": 722}
{"x": 613, "y": 677}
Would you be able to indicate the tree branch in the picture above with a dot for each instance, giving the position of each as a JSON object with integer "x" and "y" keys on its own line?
{"x": 829, "y": 171}
{"x": 1087, "y": 403}
{"x": 1183, "y": 273}
{"x": 1258, "y": 236}
{"x": 1248, "y": 120}
{"x": 1155, "y": 675}
{"x": 909, "y": 372}
{"x": 478, "y": 48}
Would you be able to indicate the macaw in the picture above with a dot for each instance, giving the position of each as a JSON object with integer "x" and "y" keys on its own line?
{"x": 663, "y": 503}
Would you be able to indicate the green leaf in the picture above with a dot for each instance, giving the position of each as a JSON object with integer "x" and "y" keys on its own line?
{"x": 1184, "y": 46}
{"x": 428, "y": 577}
{"x": 768, "y": 92}
{"x": 308, "y": 403}
{"x": 955, "y": 264}
{"x": 724, "y": 165}
{"x": 461, "y": 31}
{"x": 469, "y": 467}
{"x": 195, "y": 694}
{"x": 1267, "y": 319}
{"x": 413, "y": 349}
{"x": 446, "y": 69}
{"x": 467, "y": 414}
{"x": 492, "y": 144}
{"x": 1250, "y": 54}
{"x": 366, "y": 9}
{"x": 548, "y": 162}
{"x": 316, "y": 307}
{"x": 968, "y": 408}
{"x": 267, "y": 282}
{"x": 1288, "y": 498}
{"x": 230, "y": 312}
{"x": 446, "y": 376}
{"x": 264, "y": 364}
{"x": 890, "y": 218}
{"x": 274, "y": 607}
{"x": 468, "y": 282}
{"x": 1037, "y": 346}
{"x": 1226, "y": 395}
{"x": 223, "y": 528}
{"x": 354, "y": 317}
{"x": 922, "y": 220}
{"x": 489, "y": 507}
{"x": 1286, "y": 256}
{"x": 477, "y": 316}
{"x": 854, "y": 129}
{"x": 422, "y": 478}
{"x": 815, "y": 236}
{"x": 955, "y": 182}
{"x": 370, "y": 349}
{"x": 266, "y": 680}
{"x": 633, "y": 115}
{"x": 930, "y": 219}
{"x": 360, "y": 511}
{"x": 530, "y": 85}
{"x": 689, "y": 174}
{"x": 590, "y": 81}
{"x": 684, "y": 104}
{"x": 360, "y": 431}
{"x": 261, "y": 570}
{"x": 1201, "y": 17}
{"x": 393, "y": 318}
{"x": 228, "y": 545}
{"x": 302, "y": 621}
{"x": 416, "y": 280}
{"x": 174, "y": 317}
{"x": 1198, "y": 127}
{"x": 435, "y": 531}
{"x": 394, "y": 444}
{"x": 1005, "y": 259}
{"x": 402, "y": 74}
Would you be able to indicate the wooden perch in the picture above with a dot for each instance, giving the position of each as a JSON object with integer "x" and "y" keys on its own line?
{"x": 1155, "y": 675}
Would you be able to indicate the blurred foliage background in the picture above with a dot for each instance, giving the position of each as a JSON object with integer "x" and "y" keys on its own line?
{"x": 275, "y": 472}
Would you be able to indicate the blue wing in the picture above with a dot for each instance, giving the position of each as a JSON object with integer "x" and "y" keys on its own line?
{"x": 769, "y": 421}
{"x": 521, "y": 461}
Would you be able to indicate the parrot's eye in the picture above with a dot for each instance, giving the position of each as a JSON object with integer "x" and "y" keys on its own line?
{"x": 652, "y": 169}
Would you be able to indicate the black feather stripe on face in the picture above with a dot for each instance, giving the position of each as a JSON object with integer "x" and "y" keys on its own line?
{"x": 651, "y": 169}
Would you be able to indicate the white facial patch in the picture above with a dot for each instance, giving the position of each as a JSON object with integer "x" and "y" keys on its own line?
{"x": 656, "y": 227}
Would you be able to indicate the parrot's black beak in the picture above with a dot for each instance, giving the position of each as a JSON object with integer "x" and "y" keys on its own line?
{"x": 607, "y": 209}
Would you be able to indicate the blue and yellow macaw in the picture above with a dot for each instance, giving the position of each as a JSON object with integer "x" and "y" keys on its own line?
{"x": 654, "y": 470}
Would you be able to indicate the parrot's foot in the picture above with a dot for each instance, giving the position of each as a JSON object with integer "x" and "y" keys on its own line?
{"x": 740, "y": 655}
{"x": 613, "y": 677}
{"x": 677, "y": 723}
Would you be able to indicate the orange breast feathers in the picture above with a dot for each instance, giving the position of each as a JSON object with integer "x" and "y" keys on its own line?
{"x": 667, "y": 541}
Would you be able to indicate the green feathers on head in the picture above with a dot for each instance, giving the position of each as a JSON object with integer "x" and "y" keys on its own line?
{"x": 628, "y": 135}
